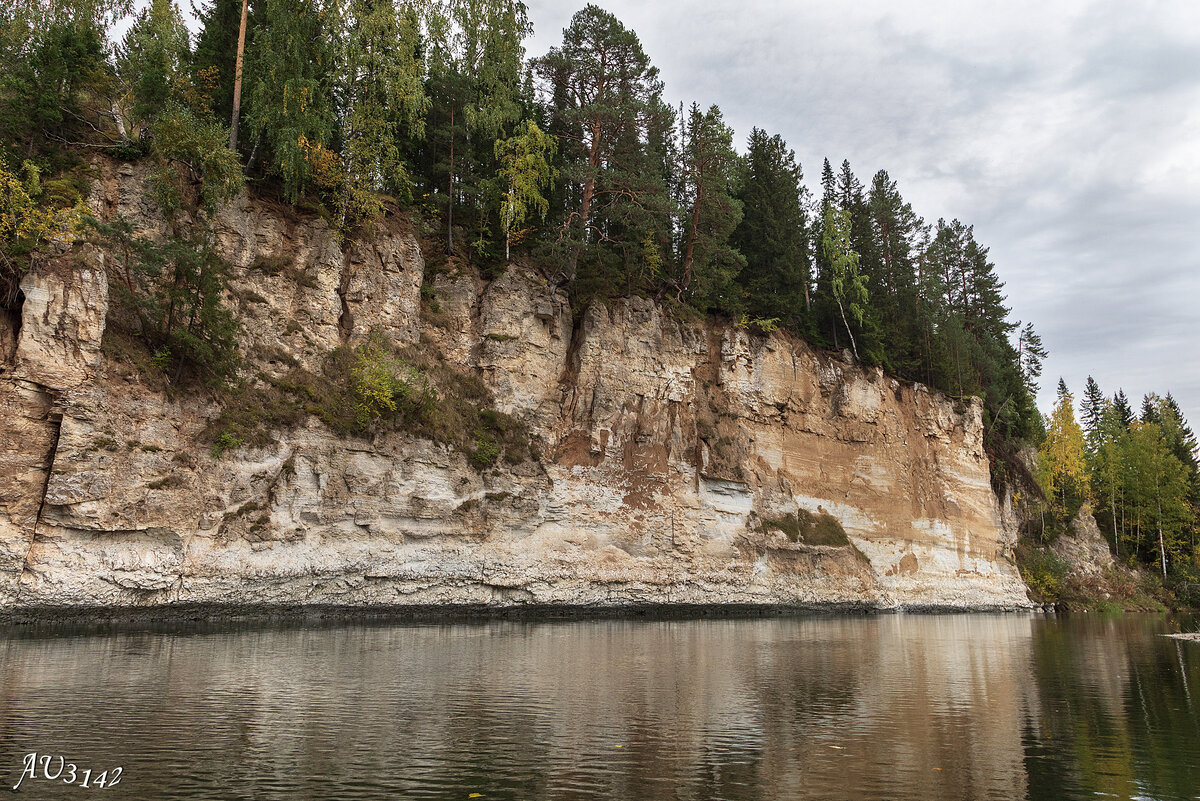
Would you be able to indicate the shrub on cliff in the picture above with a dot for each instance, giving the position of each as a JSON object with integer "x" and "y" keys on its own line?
{"x": 371, "y": 389}
{"x": 26, "y": 223}
{"x": 170, "y": 295}
{"x": 386, "y": 388}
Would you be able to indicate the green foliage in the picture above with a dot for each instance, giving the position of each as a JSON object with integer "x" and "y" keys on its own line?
{"x": 772, "y": 235}
{"x": 382, "y": 101}
{"x": 1044, "y": 573}
{"x": 477, "y": 82}
{"x": 385, "y": 388}
{"x": 170, "y": 295}
{"x": 192, "y": 157}
{"x": 54, "y": 78}
{"x": 764, "y": 325}
{"x": 26, "y": 224}
{"x": 847, "y": 285}
{"x": 1145, "y": 479}
{"x": 215, "y": 55}
{"x": 373, "y": 389}
{"x": 709, "y": 264}
{"x": 612, "y": 125}
{"x": 525, "y": 160}
{"x": 226, "y": 442}
{"x": 152, "y": 59}
{"x": 288, "y": 74}
{"x": 1061, "y": 467}
{"x": 486, "y": 451}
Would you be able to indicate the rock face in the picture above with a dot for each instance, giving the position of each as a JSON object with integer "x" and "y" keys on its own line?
{"x": 670, "y": 452}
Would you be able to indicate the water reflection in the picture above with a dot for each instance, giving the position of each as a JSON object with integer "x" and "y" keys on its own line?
{"x": 905, "y": 707}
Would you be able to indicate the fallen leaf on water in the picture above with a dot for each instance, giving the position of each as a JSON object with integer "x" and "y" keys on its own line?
{"x": 838, "y": 747}
{"x": 475, "y": 795}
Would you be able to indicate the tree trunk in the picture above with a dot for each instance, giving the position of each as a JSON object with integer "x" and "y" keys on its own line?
{"x": 116, "y": 115}
{"x": 1112, "y": 505}
{"x": 689, "y": 253}
{"x": 237, "y": 80}
{"x": 849, "y": 333}
{"x": 1162, "y": 548}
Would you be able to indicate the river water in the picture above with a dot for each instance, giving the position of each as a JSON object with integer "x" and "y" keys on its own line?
{"x": 869, "y": 707}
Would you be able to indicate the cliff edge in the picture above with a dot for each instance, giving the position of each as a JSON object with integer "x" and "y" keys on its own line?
{"x": 679, "y": 462}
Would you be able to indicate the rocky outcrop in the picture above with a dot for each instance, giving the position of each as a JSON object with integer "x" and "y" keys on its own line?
{"x": 670, "y": 453}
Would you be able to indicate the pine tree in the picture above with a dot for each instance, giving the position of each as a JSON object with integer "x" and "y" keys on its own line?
{"x": 606, "y": 103}
{"x": 214, "y": 60}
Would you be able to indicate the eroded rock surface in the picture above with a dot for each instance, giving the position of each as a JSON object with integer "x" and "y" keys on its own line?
{"x": 669, "y": 452}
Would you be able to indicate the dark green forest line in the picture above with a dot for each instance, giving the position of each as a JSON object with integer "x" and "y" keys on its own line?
{"x": 572, "y": 161}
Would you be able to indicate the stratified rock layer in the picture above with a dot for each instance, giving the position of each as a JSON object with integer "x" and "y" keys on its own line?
{"x": 669, "y": 453}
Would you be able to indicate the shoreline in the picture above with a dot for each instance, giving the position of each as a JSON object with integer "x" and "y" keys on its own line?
{"x": 221, "y": 615}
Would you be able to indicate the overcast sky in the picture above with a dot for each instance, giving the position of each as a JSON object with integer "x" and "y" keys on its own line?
{"x": 1067, "y": 133}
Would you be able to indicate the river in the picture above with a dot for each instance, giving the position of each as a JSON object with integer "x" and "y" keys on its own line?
{"x": 846, "y": 707}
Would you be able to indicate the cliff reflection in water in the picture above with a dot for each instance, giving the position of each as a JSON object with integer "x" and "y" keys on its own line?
{"x": 968, "y": 707}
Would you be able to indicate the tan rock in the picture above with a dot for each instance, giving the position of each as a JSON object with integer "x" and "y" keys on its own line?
{"x": 667, "y": 448}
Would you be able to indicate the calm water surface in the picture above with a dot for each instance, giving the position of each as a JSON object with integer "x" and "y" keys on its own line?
{"x": 880, "y": 707}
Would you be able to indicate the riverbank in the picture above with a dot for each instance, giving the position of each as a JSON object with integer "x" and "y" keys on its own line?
{"x": 86, "y": 619}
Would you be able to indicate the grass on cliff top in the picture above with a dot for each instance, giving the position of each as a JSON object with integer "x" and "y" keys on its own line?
{"x": 370, "y": 389}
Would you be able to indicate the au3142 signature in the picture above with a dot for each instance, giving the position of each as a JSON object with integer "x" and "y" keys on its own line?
{"x": 46, "y": 767}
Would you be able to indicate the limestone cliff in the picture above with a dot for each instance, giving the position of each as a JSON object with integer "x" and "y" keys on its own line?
{"x": 669, "y": 450}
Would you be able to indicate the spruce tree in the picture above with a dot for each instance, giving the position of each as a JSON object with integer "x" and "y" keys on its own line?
{"x": 1091, "y": 409}
{"x": 289, "y": 73}
{"x": 1123, "y": 409}
{"x": 773, "y": 232}
{"x": 55, "y": 84}
{"x": 215, "y": 58}
{"x": 709, "y": 265}
{"x": 152, "y": 56}
{"x": 896, "y": 229}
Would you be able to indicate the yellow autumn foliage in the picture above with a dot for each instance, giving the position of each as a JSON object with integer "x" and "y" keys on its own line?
{"x": 1062, "y": 471}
